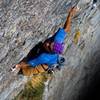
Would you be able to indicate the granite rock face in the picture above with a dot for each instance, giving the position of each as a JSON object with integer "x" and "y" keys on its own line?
{"x": 23, "y": 23}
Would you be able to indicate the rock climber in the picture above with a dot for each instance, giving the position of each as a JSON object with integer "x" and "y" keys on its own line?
{"x": 51, "y": 48}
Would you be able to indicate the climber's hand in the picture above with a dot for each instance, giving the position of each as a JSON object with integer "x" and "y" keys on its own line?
{"x": 73, "y": 11}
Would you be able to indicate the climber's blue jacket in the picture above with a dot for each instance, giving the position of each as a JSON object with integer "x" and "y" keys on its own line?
{"x": 48, "y": 58}
{"x": 60, "y": 35}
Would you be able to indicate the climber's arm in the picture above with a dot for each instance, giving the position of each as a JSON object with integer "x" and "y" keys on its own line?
{"x": 67, "y": 25}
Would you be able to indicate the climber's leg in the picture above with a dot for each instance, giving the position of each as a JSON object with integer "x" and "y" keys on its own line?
{"x": 19, "y": 66}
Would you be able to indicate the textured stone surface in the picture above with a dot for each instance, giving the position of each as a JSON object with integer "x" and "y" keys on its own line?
{"x": 82, "y": 61}
{"x": 25, "y": 22}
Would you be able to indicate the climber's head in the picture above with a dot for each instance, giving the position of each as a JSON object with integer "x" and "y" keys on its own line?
{"x": 53, "y": 46}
